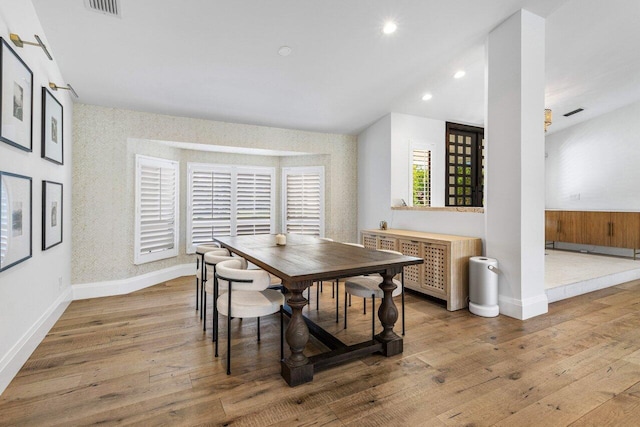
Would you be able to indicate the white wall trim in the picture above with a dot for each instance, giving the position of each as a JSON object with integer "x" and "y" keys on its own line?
{"x": 523, "y": 309}
{"x": 16, "y": 357}
{"x": 131, "y": 284}
{"x": 591, "y": 285}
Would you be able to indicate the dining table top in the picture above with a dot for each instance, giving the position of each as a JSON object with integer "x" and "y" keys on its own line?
{"x": 305, "y": 258}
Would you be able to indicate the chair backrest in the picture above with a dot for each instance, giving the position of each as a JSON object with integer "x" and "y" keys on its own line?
{"x": 215, "y": 257}
{"x": 231, "y": 270}
{"x": 205, "y": 247}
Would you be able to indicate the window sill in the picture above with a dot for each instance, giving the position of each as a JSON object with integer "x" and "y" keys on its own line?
{"x": 439, "y": 209}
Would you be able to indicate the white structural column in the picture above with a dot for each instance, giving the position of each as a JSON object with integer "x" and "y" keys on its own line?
{"x": 514, "y": 133}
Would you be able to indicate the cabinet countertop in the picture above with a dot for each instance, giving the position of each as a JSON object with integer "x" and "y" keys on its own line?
{"x": 391, "y": 232}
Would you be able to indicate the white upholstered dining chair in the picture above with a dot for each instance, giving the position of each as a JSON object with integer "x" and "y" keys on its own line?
{"x": 211, "y": 259}
{"x": 246, "y": 295}
{"x": 202, "y": 249}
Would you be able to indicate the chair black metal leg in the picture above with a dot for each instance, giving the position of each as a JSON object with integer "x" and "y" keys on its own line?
{"x": 345, "y": 306}
{"x": 197, "y": 281}
{"x": 281, "y": 334}
{"x": 318, "y": 296}
{"x": 215, "y": 328}
{"x": 349, "y": 300}
{"x": 364, "y": 303}
{"x": 229, "y": 332}
{"x": 204, "y": 309}
{"x": 258, "y": 329}
{"x": 203, "y": 281}
{"x": 373, "y": 316}
{"x": 337, "y": 302}
{"x": 333, "y": 290}
{"x": 215, "y": 306}
{"x": 402, "y": 281}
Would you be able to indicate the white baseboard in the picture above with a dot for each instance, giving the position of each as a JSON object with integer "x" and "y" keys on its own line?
{"x": 131, "y": 284}
{"x": 18, "y": 354}
{"x": 523, "y": 309}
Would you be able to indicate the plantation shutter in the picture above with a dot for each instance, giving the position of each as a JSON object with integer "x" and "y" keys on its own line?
{"x": 304, "y": 200}
{"x": 421, "y": 168}
{"x": 228, "y": 201}
{"x": 253, "y": 202}
{"x": 210, "y": 204}
{"x": 156, "y": 209}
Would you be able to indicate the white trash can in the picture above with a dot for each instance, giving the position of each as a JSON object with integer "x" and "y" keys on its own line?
{"x": 483, "y": 286}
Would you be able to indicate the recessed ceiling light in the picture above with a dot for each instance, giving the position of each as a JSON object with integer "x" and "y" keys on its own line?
{"x": 284, "y": 51}
{"x": 459, "y": 74}
{"x": 389, "y": 27}
{"x": 427, "y": 96}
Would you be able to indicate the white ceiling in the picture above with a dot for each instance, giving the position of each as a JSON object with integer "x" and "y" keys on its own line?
{"x": 218, "y": 59}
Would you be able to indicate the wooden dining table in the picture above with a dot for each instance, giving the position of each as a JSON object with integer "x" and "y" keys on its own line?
{"x": 300, "y": 262}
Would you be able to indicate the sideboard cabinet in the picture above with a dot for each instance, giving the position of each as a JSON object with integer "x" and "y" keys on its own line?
{"x": 445, "y": 271}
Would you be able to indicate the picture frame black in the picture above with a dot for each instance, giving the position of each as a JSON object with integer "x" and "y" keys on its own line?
{"x": 15, "y": 219}
{"x": 16, "y": 99}
{"x": 52, "y": 214}
{"x": 52, "y": 128}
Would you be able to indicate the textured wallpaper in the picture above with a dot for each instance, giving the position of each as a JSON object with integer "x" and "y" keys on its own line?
{"x": 106, "y": 141}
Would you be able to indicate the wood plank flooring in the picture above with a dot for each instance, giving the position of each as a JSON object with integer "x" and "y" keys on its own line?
{"x": 143, "y": 359}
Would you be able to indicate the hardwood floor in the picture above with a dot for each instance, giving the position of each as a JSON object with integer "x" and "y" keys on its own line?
{"x": 143, "y": 359}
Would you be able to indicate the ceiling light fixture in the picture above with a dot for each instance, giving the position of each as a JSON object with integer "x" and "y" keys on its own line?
{"x": 20, "y": 43}
{"x": 54, "y": 86}
{"x": 548, "y": 118}
{"x": 390, "y": 27}
{"x": 427, "y": 96}
{"x": 459, "y": 74}
{"x": 284, "y": 51}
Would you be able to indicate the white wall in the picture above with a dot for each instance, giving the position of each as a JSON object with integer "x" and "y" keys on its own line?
{"x": 374, "y": 174}
{"x": 405, "y": 131}
{"x": 383, "y": 177}
{"x": 595, "y": 165}
{"x": 35, "y": 292}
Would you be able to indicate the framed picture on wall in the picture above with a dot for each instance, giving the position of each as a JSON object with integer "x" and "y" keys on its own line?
{"x": 16, "y": 99}
{"x": 52, "y": 143}
{"x": 51, "y": 214}
{"x": 15, "y": 219}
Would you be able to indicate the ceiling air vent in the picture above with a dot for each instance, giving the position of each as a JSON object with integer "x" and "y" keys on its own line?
{"x": 106, "y": 7}
{"x": 571, "y": 113}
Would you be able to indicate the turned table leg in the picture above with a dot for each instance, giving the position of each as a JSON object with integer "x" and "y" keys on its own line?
{"x": 296, "y": 368}
{"x": 388, "y": 314}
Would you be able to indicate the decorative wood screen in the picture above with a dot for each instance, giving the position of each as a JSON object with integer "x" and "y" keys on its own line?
{"x": 465, "y": 165}
{"x": 411, "y": 272}
{"x": 387, "y": 243}
{"x": 435, "y": 267}
{"x": 369, "y": 241}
